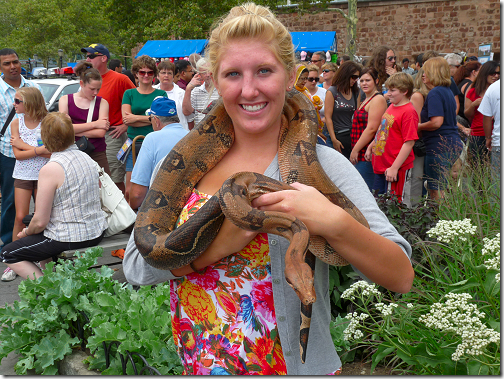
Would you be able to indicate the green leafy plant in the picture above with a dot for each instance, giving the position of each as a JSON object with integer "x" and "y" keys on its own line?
{"x": 43, "y": 326}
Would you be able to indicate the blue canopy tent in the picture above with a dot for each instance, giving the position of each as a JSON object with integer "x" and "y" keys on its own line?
{"x": 172, "y": 49}
{"x": 314, "y": 41}
{"x": 303, "y": 41}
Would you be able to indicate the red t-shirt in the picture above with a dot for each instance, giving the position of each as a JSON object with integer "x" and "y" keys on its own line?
{"x": 398, "y": 125}
{"x": 477, "y": 121}
{"x": 113, "y": 87}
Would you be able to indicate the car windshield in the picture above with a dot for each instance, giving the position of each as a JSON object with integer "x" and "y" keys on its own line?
{"x": 48, "y": 90}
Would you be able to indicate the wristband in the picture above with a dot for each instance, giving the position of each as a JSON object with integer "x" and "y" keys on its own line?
{"x": 195, "y": 269}
{"x": 26, "y": 232}
{"x": 35, "y": 150}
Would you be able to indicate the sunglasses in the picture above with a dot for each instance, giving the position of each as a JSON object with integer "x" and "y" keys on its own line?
{"x": 17, "y": 101}
{"x": 495, "y": 73}
{"x": 394, "y": 58}
{"x": 315, "y": 60}
{"x": 326, "y": 71}
{"x": 355, "y": 77}
{"x": 146, "y": 73}
{"x": 94, "y": 55}
{"x": 313, "y": 79}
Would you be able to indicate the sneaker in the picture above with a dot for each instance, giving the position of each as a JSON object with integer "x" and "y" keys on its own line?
{"x": 8, "y": 275}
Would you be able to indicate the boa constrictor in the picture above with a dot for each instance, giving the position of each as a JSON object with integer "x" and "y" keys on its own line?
{"x": 165, "y": 247}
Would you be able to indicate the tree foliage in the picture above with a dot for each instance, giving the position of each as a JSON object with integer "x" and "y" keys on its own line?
{"x": 43, "y": 26}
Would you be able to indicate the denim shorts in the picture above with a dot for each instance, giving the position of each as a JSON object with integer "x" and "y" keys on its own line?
{"x": 129, "y": 162}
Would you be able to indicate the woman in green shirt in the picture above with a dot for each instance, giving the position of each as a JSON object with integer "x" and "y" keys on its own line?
{"x": 135, "y": 102}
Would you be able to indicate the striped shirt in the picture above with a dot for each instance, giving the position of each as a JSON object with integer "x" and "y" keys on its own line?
{"x": 76, "y": 213}
{"x": 199, "y": 101}
{"x": 7, "y": 93}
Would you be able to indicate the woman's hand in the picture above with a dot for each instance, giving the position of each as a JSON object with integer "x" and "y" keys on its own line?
{"x": 129, "y": 118}
{"x": 369, "y": 153}
{"x": 16, "y": 142}
{"x": 306, "y": 203}
{"x": 196, "y": 81}
{"x": 337, "y": 144}
{"x": 390, "y": 70}
{"x": 102, "y": 123}
{"x": 354, "y": 155}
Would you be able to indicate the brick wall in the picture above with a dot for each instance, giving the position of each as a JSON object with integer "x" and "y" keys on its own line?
{"x": 411, "y": 27}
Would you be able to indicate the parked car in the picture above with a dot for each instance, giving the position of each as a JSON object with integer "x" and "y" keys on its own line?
{"x": 53, "y": 89}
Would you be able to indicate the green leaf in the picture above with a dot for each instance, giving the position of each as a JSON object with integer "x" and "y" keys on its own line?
{"x": 382, "y": 352}
{"x": 477, "y": 368}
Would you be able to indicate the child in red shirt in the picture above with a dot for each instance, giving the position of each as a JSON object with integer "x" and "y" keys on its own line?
{"x": 392, "y": 149}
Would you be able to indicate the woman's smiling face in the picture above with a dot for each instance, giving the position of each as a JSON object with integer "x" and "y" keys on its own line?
{"x": 252, "y": 83}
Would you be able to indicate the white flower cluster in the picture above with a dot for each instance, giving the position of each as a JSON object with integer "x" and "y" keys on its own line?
{"x": 367, "y": 289}
{"x": 352, "y": 332}
{"x": 458, "y": 316}
{"x": 492, "y": 247}
{"x": 448, "y": 231}
{"x": 386, "y": 310}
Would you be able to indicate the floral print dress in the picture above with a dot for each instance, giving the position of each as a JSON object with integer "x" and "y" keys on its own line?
{"x": 224, "y": 320}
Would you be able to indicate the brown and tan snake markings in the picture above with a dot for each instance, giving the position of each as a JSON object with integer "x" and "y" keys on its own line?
{"x": 167, "y": 248}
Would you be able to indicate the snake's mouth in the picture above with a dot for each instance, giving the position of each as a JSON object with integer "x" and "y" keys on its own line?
{"x": 253, "y": 108}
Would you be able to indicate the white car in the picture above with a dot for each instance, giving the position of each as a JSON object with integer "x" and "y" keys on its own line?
{"x": 53, "y": 89}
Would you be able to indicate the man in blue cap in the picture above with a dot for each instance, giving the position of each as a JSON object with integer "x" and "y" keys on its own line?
{"x": 167, "y": 132}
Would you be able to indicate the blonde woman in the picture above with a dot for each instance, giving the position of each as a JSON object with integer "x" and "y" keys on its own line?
{"x": 438, "y": 126}
{"x": 328, "y": 71}
{"x": 238, "y": 304}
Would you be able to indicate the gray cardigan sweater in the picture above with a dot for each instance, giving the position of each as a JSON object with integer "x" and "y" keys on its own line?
{"x": 321, "y": 357}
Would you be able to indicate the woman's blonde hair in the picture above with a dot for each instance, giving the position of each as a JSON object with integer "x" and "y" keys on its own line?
{"x": 312, "y": 67}
{"x": 437, "y": 71}
{"x": 34, "y": 103}
{"x": 420, "y": 85}
{"x": 57, "y": 132}
{"x": 250, "y": 21}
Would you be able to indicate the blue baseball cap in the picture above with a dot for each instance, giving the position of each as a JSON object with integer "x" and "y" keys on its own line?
{"x": 96, "y": 48}
{"x": 162, "y": 106}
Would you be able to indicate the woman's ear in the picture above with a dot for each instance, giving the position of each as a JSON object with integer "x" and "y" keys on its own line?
{"x": 291, "y": 80}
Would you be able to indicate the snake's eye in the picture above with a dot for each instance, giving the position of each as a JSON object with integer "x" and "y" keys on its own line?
{"x": 244, "y": 192}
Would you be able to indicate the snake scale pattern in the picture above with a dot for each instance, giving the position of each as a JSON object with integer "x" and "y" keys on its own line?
{"x": 165, "y": 247}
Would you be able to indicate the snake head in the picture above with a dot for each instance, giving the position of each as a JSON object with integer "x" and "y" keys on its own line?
{"x": 302, "y": 284}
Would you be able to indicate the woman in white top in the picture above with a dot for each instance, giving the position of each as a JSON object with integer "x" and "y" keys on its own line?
{"x": 27, "y": 146}
{"x": 68, "y": 212}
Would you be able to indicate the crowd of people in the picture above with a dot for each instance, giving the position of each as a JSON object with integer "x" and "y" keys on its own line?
{"x": 381, "y": 128}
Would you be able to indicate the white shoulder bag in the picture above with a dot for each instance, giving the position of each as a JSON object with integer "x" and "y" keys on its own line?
{"x": 119, "y": 213}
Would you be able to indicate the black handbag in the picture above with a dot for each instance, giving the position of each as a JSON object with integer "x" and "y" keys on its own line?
{"x": 419, "y": 148}
{"x": 85, "y": 145}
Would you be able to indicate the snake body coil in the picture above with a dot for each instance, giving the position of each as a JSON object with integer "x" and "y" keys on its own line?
{"x": 168, "y": 248}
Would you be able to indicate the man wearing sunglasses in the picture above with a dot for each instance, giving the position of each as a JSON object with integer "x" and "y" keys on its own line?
{"x": 113, "y": 87}
{"x": 10, "y": 66}
{"x": 318, "y": 59}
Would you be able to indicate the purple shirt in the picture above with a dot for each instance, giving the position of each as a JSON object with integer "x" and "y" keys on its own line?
{"x": 79, "y": 116}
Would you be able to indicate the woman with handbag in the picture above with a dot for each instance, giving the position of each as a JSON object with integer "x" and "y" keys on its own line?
{"x": 68, "y": 212}
{"x": 89, "y": 114}
{"x": 340, "y": 103}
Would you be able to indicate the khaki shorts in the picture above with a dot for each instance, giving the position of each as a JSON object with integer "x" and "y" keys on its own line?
{"x": 117, "y": 169}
